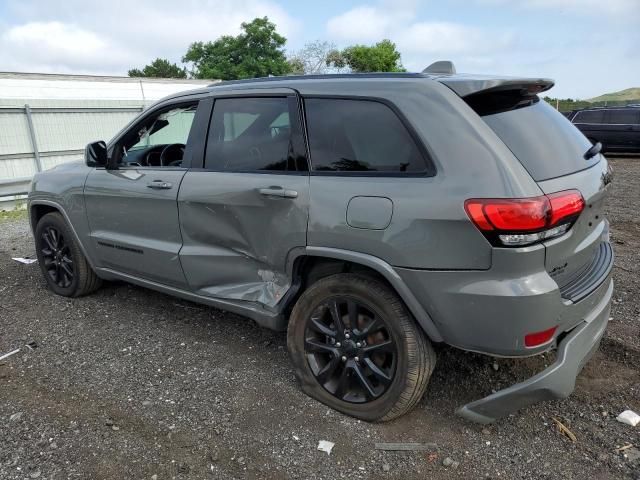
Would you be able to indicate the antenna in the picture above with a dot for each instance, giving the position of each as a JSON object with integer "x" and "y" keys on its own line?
{"x": 441, "y": 66}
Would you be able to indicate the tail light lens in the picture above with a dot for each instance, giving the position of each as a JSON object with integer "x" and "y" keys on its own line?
{"x": 539, "y": 338}
{"x": 515, "y": 222}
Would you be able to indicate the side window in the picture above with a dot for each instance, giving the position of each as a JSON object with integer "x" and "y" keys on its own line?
{"x": 252, "y": 134}
{"x": 625, "y": 117}
{"x": 359, "y": 136}
{"x": 160, "y": 140}
{"x": 589, "y": 116}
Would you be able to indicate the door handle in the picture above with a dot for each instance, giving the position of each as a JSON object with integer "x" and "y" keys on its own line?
{"x": 278, "y": 192}
{"x": 159, "y": 185}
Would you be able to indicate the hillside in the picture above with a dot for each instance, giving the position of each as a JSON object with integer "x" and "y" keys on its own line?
{"x": 621, "y": 96}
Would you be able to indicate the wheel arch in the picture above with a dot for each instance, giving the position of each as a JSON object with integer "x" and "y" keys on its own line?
{"x": 306, "y": 265}
{"x": 39, "y": 208}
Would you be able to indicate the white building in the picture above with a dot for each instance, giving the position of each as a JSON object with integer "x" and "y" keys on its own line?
{"x": 47, "y": 119}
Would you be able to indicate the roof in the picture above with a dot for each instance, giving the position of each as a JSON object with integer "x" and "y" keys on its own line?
{"x": 462, "y": 84}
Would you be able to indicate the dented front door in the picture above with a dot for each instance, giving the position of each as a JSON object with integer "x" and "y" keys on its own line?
{"x": 247, "y": 208}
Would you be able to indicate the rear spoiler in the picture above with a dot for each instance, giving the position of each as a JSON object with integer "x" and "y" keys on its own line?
{"x": 465, "y": 85}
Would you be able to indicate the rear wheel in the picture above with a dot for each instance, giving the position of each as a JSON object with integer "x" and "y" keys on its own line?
{"x": 356, "y": 348}
{"x": 63, "y": 265}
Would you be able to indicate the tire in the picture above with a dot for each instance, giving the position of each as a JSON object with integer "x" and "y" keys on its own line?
{"x": 62, "y": 262}
{"x": 400, "y": 352}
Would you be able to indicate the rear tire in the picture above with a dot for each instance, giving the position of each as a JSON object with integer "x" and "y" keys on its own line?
{"x": 61, "y": 260}
{"x": 373, "y": 362}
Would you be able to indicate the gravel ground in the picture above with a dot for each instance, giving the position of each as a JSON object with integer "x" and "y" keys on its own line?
{"x": 128, "y": 383}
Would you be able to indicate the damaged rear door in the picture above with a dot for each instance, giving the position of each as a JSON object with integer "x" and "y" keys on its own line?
{"x": 247, "y": 208}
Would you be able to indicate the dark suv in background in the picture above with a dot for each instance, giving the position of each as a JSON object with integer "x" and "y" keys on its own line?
{"x": 616, "y": 128}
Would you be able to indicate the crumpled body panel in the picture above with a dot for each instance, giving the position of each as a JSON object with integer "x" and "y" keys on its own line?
{"x": 236, "y": 240}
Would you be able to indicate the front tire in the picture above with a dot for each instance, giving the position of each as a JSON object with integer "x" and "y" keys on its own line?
{"x": 356, "y": 348}
{"x": 61, "y": 260}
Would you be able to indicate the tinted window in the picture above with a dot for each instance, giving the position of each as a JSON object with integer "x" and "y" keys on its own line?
{"x": 249, "y": 134}
{"x": 359, "y": 135}
{"x": 589, "y": 116}
{"x": 627, "y": 116}
{"x": 546, "y": 144}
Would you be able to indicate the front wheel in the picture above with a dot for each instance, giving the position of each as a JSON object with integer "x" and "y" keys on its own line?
{"x": 63, "y": 264}
{"x": 356, "y": 348}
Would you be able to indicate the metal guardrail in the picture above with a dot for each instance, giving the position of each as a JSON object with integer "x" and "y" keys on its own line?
{"x": 14, "y": 186}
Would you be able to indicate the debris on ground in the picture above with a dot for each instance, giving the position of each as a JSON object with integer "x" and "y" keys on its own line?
{"x": 632, "y": 454}
{"x": 450, "y": 462}
{"x": 622, "y": 449}
{"x": 629, "y": 417}
{"x": 414, "y": 447}
{"x": 7, "y": 355}
{"x": 25, "y": 260}
{"x": 563, "y": 429}
{"x": 325, "y": 446}
{"x": 15, "y": 417}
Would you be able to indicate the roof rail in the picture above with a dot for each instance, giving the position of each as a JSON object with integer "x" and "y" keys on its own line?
{"x": 441, "y": 66}
{"x": 318, "y": 77}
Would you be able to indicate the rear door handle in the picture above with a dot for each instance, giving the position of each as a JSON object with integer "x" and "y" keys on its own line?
{"x": 159, "y": 185}
{"x": 278, "y": 192}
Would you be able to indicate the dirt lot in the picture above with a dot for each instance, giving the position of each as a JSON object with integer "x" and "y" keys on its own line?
{"x": 128, "y": 383}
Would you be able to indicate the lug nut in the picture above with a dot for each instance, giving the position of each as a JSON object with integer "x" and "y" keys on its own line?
{"x": 344, "y": 358}
{"x": 338, "y": 344}
{"x": 346, "y": 335}
{"x": 358, "y": 344}
{"x": 356, "y": 359}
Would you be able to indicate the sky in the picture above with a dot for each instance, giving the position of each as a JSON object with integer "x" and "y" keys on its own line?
{"x": 589, "y": 47}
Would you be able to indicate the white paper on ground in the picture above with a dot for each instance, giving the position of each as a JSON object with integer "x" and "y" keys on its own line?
{"x": 325, "y": 446}
{"x": 27, "y": 261}
{"x": 629, "y": 417}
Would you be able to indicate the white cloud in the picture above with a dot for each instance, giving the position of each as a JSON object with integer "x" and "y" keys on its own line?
{"x": 112, "y": 37}
{"x": 54, "y": 43}
{"x": 420, "y": 42}
{"x": 366, "y": 24}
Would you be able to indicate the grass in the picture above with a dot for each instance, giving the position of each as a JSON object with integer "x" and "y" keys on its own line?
{"x": 8, "y": 215}
{"x": 621, "y": 96}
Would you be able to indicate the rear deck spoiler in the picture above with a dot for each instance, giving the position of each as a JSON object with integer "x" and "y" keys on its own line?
{"x": 465, "y": 85}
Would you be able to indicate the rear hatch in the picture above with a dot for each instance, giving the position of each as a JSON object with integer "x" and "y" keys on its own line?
{"x": 553, "y": 151}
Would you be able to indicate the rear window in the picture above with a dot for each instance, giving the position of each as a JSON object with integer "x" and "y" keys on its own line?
{"x": 544, "y": 141}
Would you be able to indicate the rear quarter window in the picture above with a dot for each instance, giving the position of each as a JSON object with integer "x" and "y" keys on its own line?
{"x": 360, "y": 136}
{"x": 543, "y": 140}
{"x": 589, "y": 116}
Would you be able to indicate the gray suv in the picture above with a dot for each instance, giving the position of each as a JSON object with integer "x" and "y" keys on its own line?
{"x": 371, "y": 216}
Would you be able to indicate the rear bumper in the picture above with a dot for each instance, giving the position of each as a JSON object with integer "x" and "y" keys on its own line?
{"x": 558, "y": 380}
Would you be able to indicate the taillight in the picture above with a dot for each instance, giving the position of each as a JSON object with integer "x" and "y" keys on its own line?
{"x": 515, "y": 222}
{"x": 539, "y": 338}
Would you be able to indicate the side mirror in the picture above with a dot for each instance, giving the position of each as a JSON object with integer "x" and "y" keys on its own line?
{"x": 95, "y": 154}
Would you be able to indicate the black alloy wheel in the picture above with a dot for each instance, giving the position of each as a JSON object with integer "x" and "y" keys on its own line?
{"x": 356, "y": 348}
{"x": 57, "y": 257}
{"x": 350, "y": 350}
{"x": 63, "y": 265}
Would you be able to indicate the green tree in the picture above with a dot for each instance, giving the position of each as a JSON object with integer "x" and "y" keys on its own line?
{"x": 159, "y": 68}
{"x": 381, "y": 57}
{"x": 257, "y": 52}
